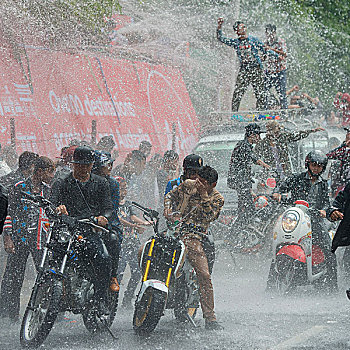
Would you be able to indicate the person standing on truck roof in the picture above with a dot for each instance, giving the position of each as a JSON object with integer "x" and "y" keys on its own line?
{"x": 239, "y": 176}
{"x": 251, "y": 68}
{"x": 275, "y": 73}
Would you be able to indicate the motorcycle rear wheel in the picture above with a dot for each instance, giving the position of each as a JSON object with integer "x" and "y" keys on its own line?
{"x": 148, "y": 311}
{"x": 38, "y": 320}
{"x": 91, "y": 320}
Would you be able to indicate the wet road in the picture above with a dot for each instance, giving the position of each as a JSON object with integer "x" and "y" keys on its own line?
{"x": 252, "y": 319}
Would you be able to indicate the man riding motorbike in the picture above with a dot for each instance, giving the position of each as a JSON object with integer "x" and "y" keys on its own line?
{"x": 195, "y": 204}
{"x": 82, "y": 194}
{"x": 312, "y": 188}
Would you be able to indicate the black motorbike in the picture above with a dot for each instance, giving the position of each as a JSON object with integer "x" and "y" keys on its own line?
{"x": 168, "y": 281}
{"x": 62, "y": 283}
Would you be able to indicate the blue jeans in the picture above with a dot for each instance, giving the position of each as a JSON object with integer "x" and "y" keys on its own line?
{"x": 279, "y": 81}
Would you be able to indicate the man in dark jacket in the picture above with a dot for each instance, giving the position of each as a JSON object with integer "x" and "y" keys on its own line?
{"x": 82, "y": 194}
{"x": 239, "y": 176}
{"x": 312, "y": 188}
{"x": 24, "y": 234}
{"x": 340, "y": 210}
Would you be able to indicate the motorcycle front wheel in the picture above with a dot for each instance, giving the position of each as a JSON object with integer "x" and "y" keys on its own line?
{"x": 41, "y": 313}
{"x": 148, "y": 311}
{"x": 91, "y": 320}
{"x": 286, "y": 274}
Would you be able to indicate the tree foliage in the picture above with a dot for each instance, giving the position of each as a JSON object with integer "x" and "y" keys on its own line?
{"x": 62, "y": 21}
{"x": 317, "y": 33}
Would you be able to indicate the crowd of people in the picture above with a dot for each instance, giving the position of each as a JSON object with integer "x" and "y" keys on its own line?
{"x": 272, "y": 153}
{"x": 83, "y": 183}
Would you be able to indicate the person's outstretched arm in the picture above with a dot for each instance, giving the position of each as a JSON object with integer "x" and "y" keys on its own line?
{"x": 220, "y": 37}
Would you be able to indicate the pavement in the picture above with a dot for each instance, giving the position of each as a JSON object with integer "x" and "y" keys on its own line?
{"x": 252, "y": 318}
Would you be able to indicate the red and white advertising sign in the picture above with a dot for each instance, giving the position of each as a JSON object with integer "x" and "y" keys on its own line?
{"x": 54, "y": 97}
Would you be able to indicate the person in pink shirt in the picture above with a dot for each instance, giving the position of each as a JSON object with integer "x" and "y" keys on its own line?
{"x": 342, "y": 102}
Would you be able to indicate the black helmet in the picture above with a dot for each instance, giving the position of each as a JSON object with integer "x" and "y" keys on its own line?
{"x": 253, "y": 128}
{"x": 316, "y": 157}
{"x": 102, "y": 159}
{"x": 83, "y": 155}
{"x": 192, "y": 161}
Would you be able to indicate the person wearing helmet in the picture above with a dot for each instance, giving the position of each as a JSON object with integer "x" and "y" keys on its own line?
{"x": 312, "y": 188}
{"x": 103, "y": 167}
{"x": 191, "y": 165}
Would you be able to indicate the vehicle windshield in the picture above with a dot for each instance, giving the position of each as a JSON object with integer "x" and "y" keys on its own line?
{"x": 216, "y": 155}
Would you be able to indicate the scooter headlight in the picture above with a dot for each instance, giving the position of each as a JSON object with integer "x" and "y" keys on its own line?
{"x": 290, "y": 221}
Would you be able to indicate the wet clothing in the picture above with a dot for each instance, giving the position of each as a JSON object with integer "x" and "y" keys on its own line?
{"x": 25, "y": 224}
{"x": 251, "y": 68}
{"x": 3, "y": 207}
{"x": 129, "y": 253}
{"x": 197, "y": 213}
{"x": 240, "y": 168}
{"x": 275, "y": 72}
{"x": 113, "y": 242}
{"x": 247, "y": 49}
{"x": 276, "y": 64}
{"x": 341, "y": 203}
{"x": 13, "y": 278}
{"x": 342, "y": 154}
{"x": 249, "y": 75}
{"x": 264, "y": 151}
{"x": 344, "y": 108}
{"x": 278, "y": 81}
{"x": 173, "y": 184}
{"x": 301, "y": 188}
{"x": 240, "y": 179}
{"x": 83, "y": 200}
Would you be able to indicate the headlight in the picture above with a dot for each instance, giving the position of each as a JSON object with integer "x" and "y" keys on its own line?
{"x": 290, "y": 221}
{"x": 64, "y": 236}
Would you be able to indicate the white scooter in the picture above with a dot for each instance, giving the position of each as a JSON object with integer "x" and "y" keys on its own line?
{"x": 295, "y": 260}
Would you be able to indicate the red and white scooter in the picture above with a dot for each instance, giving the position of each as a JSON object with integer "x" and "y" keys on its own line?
{"x": 295, "y": 261}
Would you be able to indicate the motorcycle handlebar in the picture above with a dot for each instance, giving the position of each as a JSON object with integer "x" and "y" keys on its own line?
{"x": 69, "y": 220}
{"x": 150, "y": 212}
{"x": 93, "y": 224}
{"x": 37, "y": 199}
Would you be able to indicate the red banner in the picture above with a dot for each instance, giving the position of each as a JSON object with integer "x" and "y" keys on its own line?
{"x": 54, "y": 96}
